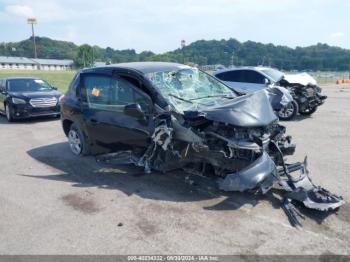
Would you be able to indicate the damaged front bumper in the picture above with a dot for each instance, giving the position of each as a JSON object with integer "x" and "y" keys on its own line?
{"x": 260, "y": 174}
{"x": 294, "y": 180}
{"x": 311, "y": 101}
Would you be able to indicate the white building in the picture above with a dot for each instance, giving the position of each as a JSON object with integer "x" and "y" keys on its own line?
{"x": 23, "y": 63}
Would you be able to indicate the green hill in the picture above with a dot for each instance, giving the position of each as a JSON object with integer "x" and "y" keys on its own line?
{"x": 47, "y": 48}
{"x": 202, "y": 52}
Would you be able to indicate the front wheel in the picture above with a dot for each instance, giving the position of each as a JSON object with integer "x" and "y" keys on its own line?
{"x": 78, "y": 143}
{"x": 308, "y": 111}
{"x": 288, "y": 112}
{"x": 8, "y": 112}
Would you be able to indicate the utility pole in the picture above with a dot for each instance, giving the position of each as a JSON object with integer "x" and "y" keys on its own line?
{"x": 32, "y": 21}
{"x": 183, "y": 44}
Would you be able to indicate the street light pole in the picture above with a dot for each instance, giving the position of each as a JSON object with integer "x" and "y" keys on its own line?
{"x": 32, "y": 21}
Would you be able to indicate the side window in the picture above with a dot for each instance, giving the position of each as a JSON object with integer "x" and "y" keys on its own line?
{"x": 3, "y": 85}
{"x": 223, "y": 76}
{"x": 72, "y": 90}
{"x": 233, "y": 76}
{"x": 112, "y": 94}
{"x": 253, "y": 77}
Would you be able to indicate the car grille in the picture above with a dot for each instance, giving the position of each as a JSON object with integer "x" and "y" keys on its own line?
{"x": 43, "y": 102}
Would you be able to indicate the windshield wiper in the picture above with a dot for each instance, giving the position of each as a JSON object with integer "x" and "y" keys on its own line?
{"x": 180, "y": 98}
{"x": 224, "y": 96}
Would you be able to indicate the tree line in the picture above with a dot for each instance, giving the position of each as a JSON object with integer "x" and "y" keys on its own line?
{"x": 319, "y": 57}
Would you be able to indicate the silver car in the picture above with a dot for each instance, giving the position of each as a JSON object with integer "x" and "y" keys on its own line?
{"x": 251, "y": 79}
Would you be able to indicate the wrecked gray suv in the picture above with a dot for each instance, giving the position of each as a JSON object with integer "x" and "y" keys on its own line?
{"x": 167, "y": 116}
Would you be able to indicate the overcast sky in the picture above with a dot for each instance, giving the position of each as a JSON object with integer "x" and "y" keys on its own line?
{"x": 159, "y": 25}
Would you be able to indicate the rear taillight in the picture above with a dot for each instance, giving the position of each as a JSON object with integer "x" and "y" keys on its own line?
{"x": 61, "y": 99}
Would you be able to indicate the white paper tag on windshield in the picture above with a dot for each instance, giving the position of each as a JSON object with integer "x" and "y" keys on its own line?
{"x": 39, "y": 81}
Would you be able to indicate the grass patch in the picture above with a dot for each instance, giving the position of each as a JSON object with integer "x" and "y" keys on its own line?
{"x": 59, "y": 79}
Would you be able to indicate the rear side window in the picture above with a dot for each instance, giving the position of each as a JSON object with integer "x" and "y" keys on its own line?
{"x": 232, "y": 76}
{"x": 112, "y": 94}
{"x": 253, "y": 77}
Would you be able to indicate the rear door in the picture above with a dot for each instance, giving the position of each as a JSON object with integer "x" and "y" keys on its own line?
{"x": 104, "y": 98}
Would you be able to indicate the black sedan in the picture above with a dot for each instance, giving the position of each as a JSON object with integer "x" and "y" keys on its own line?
{"x": 26, "y": 97}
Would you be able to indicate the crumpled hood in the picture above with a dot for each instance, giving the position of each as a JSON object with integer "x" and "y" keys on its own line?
{"x": 39, "y": 94}
{"x": 251, "y": 110}
{"x": 303, "y": 79}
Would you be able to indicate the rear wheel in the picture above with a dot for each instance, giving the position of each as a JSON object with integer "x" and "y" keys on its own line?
{"x": 78, "y": 143}
{"x": 8, "y": 113}
{"x": 309, "y": 111}
{"x": 288, "y": 112}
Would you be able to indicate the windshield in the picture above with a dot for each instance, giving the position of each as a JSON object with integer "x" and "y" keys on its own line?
{"x": 190, "y": 88}
{"x": 274, "y": 74}
{"x": 27, "y": 85}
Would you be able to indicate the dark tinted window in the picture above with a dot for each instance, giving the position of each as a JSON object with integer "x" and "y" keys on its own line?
{"x": 233, "y": 76}
{"x": 253, "y": 77}
{"x": 72, "y": 90}
{"x": 112, "y": 94}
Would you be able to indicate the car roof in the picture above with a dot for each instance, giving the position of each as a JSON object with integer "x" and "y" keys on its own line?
{"x": 144, "y": 67}
{"x": 21, "y": 77}
{"x": 255, "y": 68}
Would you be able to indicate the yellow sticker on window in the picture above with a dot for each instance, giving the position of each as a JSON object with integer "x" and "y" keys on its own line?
{"x": 95, "y": 91}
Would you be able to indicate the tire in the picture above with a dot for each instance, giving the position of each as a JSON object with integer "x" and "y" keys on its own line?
{"x": 8, "y": 113}
{"x": 309, "y": 112}
{"x": 78, "y": 142}
{"x": 288, "y": 113}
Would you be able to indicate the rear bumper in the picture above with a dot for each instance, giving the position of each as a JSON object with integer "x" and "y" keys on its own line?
{"x": 27, "y": 111}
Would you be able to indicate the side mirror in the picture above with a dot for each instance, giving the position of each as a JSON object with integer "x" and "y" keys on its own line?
{"x": 54, "y": 88}
{"x": 134, "y": 110}
{"x": 267, "y": 81}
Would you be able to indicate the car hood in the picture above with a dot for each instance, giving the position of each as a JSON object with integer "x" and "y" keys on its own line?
{"x": 303, "y": 79}
{"x": 38, "y": 94}
{"x": 251, "y": 110}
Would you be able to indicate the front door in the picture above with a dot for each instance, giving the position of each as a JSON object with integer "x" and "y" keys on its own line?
{"x": 104, "y": 98}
